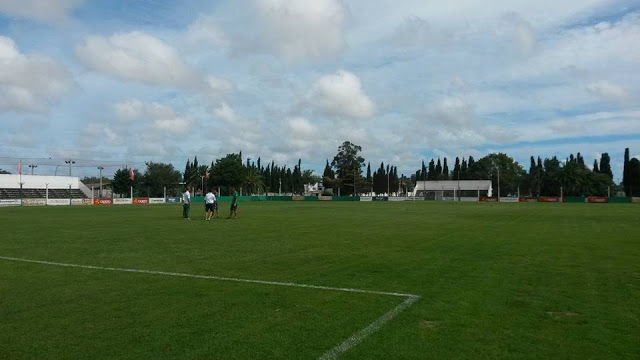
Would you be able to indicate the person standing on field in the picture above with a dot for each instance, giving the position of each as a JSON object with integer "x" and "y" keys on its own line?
{"x": 186, "y": 204}
{"x": 209, "y": 202}
{"x": 215, "y": 204}
{"x": 234, "y": 204}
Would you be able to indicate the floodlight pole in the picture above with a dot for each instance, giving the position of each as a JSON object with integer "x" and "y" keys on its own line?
{"x": 100, "y": 192}
{"x": 69, "y": 194}
{"x": 70, "y": 162}
{"x": 32, "y": 167}
{"x": 46, "y": 194}
{"x": 458, "y": 181}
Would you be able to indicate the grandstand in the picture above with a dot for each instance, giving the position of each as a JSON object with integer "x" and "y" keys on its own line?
{"x": 41, "y": 187}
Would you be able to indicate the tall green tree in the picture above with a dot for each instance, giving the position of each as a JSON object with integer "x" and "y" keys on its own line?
{"x": 445, "y": 170}
{"x": 253, "y": 180}
{"x": 432, "y": 175}
{"x": 122, "y": 183}
{"x": 511, "y": 173}
{"x": 634, "y": 177}
{"x": 328, "y": 176}
{"x": 605, "y": 165}
{"x": 348, "y": 164}
{"x": 228, "y": 172}
{"x": 626, "y": 180}
{"x": 158, "y": 176}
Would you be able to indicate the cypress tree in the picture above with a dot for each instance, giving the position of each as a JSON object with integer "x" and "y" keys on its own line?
{"x": 456, "y": 169}
{"x": 626, "y": 181}
{"x": 424, "y": 171}
{"x": 369, "y": 178}
{"x": 445, "y": 170}
{"x": 432, "y": 170}
{"x": 438, "y": 170}
{"x": 605, "y": 165}
{"x": 595, "y": 166}
{"x": 464, "y": 169}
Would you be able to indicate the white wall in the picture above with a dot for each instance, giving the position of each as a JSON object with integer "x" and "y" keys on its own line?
{"x": 11, "y": 181}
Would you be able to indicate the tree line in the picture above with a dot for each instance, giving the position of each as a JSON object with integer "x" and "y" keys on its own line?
{"x": 346, "y": 174}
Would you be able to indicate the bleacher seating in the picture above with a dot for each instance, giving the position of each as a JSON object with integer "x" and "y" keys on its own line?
{"x": 41, "y": 194}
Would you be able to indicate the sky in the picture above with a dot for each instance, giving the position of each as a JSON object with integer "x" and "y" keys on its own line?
{"x": 117, "y": 83}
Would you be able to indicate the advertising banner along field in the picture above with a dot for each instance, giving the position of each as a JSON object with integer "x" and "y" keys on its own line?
{"x": 9, "y": 202}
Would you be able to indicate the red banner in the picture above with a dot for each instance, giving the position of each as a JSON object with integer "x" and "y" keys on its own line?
{"x": 488, "y": 199}
{"x": 528, "y": 199}
{"x": 598, "y": 199}
{"x": 549, "y": 199}
{"x": 102, "y": 201}
{"x": 140, "y": 201}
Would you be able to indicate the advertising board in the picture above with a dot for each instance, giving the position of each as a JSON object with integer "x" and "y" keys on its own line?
{"x": 528, "y": 199}
{"x": 552, "y": 199}
{"x": 105, "y": 201}
{"x": 58, "y": 202}
{"x": 174, "y": 200}
{"x": 34, "y": 202}
{"x": 156, "y": 201}
{"x": 9, "y": 202}
{"x": 509, "y": 199}
{"x": 488, "y": 199}
{"x": 380, "y": 198}
{"x": 125, "y": 201}
{"x": 141, "y": 201}
{"x": 597, "y": 199}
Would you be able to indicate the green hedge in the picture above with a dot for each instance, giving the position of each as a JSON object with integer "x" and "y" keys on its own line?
{"x": 619, "y": 200}
{"x": 346, "y": 198}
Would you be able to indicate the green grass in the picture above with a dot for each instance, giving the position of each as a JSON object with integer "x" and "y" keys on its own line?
{"x": 497, "y": 281}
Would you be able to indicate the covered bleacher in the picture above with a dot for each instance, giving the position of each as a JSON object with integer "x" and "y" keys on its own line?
{"x": 41, "y": 187}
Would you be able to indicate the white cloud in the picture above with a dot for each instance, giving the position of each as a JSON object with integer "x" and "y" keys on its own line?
{"x": 607, "y": 90}
{"x": 129, "y": 109}
{"x": 205, "y": 31}
{"x": 452, "y": 111}
{"x": 47, "y": 11}
{"x": 301, "y": 30}
{"x": 156, "y": 117}
{"x": 240, "y": 133}
{"x": 136, "y": 56}
{"x": 96, "y": 132}
{"x": 341, "y": 95}
{"x": 29, "y": 83}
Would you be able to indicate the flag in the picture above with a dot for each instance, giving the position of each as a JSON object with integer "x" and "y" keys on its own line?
{"x": 20, "y": 167}
{"x": 206, "y": 175}
{"x": 131, "y": 174}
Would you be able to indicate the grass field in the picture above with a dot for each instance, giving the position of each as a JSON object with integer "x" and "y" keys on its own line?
{"x": 496, "y": 281}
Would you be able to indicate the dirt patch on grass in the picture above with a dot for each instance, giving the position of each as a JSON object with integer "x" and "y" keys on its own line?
{"x": 562, "y": 314}
{"x": 428, "y": 324}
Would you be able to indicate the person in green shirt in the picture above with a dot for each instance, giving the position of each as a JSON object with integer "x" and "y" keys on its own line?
{"x": 234, "y": 204}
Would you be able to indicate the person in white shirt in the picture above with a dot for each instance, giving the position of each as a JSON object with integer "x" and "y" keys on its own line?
{"x": 186, "y": 204}
{"x": 209, "y": 202}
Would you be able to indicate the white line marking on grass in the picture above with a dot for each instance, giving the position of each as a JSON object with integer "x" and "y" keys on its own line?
{"x": 356, "y": 338}
{"x": 332, "y": 354}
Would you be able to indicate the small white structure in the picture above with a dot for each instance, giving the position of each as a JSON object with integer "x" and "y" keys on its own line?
{"x": 313, "y": 189}
{"x": 452, "y": 185}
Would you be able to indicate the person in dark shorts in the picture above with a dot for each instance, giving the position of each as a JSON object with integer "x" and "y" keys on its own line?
{"x": 186, "y": 204}
{"x": 234, "y": 204}
{"x": 209, "y": 201}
